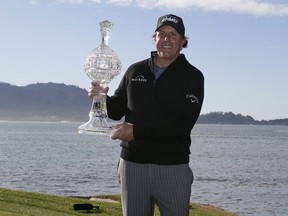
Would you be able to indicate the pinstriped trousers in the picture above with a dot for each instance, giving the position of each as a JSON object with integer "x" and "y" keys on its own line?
{"x": 144, "y": 185}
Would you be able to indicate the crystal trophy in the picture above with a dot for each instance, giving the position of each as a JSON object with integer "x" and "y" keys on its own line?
{"x": 101, "y": 66}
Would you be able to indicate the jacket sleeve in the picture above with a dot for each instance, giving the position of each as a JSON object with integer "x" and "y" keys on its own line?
{"x": 117, "y": 104}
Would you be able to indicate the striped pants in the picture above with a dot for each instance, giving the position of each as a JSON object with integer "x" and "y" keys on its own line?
{"x": 144, "y": 185}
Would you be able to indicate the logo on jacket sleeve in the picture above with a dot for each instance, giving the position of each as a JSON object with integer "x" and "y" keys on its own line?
{"x": 139, "y": 78}
{"x": 192, "y": 98}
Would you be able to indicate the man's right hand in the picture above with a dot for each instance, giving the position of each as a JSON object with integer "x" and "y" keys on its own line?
{"x": 95, "y": 89}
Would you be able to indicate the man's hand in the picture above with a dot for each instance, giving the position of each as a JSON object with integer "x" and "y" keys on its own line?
{"x": 123, "y": 132}
{"x": 95, "y": 89}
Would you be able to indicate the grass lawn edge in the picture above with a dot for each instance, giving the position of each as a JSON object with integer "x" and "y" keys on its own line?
{"x": 23, "y": 203}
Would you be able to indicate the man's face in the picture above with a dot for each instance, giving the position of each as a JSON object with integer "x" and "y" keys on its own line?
{"x": 168, "y": 42}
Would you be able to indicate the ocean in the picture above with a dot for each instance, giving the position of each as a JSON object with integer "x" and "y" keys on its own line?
{"x": 241, "y": 168}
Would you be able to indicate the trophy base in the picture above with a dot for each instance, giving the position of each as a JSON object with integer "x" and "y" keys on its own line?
{"x": 96, "y": 131}
{"x": 90, "y": 128}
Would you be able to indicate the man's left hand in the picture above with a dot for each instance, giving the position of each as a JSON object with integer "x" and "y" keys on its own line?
{"x": 124, "y": 132}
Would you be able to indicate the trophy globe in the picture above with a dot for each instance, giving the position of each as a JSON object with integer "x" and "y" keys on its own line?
{"x": 101, "y": 66}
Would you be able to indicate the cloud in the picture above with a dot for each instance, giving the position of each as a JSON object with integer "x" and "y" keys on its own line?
{"x": 78, "y": 1}
{"x": 254, "y": 7}
{"x": 33, "y": 2}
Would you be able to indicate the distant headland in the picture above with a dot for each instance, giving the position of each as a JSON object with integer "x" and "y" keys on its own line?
{"x": 61, "y": 102}
{"x": 231, "y": 118}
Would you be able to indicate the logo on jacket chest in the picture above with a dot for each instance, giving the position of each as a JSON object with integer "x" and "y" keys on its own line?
{"x": 139, "y": 78}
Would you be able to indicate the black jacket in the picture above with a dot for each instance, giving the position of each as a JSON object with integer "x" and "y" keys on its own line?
{"x": 163, "y": 111}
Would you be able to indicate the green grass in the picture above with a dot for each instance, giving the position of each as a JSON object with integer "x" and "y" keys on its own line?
{"x": 20, "y": 203}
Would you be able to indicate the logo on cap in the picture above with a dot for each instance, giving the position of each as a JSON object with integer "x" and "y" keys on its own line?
{"x": 169, "y": 19}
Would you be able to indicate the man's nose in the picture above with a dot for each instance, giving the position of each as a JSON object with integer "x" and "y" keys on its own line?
{"x": 166, "y": 38}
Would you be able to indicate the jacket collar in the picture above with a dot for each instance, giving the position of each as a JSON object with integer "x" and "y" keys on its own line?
{"x": 154, "y": 53}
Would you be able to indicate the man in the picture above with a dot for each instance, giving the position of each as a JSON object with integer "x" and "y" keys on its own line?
{"x": 161, "y": 98}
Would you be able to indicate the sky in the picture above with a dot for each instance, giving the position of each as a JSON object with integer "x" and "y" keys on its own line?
{"x": 241, "y": 46}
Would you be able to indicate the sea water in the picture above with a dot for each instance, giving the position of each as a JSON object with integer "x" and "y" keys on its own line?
{"x": 242, "y": 168}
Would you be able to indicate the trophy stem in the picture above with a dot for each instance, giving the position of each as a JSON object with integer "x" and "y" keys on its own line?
{"x": 97, "y": 123}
